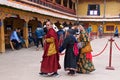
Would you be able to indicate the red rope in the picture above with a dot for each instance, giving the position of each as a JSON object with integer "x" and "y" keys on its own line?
{"x": 101, "y": 51}
{"x": 98, "y": 53}
{"x": 117, "y": 46}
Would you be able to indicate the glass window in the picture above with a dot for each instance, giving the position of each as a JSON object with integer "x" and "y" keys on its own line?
{"x": 65, "y": 3}
{"x": 93, "y": 10}
{"x": 110, "y": 28}
{"x": 70, "y": 4}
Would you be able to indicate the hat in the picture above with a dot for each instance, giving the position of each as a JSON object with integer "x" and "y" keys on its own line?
{"x": 61, "y": 26}
{"x": 70, "y": 31}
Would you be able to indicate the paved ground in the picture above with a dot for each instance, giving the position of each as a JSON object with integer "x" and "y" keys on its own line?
{"x": 24, "y": 64}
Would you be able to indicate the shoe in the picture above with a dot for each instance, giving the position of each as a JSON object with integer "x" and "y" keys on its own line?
{"x": 55, "y": 75}
{"x": 43, "y": 74}
{"x": 70, "y": 74}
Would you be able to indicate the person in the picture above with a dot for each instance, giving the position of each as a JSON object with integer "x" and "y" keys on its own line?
{"x": 15, "y": 38}
{"x": 39, "y": 32}
{"x": 89, "y": 31}
{"x": 61, "y": 35}
{"x": 20, "y": 35}
{"x": 100, "y": 30}
{"x": 50, "y": 61}
{"x": 31, "y": 36}
{"x": 84, "y": 59}
{"x": 116, "y": 34}
{"x": 70, "y": 63}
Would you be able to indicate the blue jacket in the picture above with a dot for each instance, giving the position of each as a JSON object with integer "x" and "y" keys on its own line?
{"x": 116, "y": 31}
{"x": 39, "y": 32}
{"x": 14, "y": 36}
{"x": 60, "y": 32}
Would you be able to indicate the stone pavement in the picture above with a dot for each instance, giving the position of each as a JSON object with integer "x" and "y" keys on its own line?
{"x": 24, "y": 64}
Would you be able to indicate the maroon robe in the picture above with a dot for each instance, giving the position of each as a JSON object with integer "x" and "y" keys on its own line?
{"x": 50, "y": 64}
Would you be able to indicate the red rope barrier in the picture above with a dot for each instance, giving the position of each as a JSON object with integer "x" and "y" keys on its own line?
{"x": 101, "y": 51}
{"x": 117, "y": 46}
{"x": 98, "y": 53}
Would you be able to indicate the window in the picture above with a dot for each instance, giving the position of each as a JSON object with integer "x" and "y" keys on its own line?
{"x": 93, "y": 10}
{"x": 110, "y": 28}
{"x": 70, "y": 4}
{"x": 58, "y": 1}
{"x": 65, "y": 3}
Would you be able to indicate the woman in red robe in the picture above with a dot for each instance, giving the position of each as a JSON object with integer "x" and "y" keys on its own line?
{"x": 50, "y": 62}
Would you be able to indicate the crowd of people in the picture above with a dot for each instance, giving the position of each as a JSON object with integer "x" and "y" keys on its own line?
{"x": 56, "y": 38}
{"x": 80, "y": 63}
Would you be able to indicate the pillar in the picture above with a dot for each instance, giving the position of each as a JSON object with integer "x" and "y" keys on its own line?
{"x": 68, "y": 4}
{"x": 54, "y": 1}
{"x": 62, "y": 2}
{"x": 25, "y": 32}
{"x": 2, "y": 38}
{"x": 72, "y": 5}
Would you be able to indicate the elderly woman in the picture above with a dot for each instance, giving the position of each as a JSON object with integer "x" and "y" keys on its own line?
{"x": 84, "y": 61}
{"x": 70, "y": 58}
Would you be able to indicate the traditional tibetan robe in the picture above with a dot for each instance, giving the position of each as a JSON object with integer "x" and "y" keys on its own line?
{"x": 84, "y": 61}
{"x": 50, "y": 62}
{"x": 70, "y": 59}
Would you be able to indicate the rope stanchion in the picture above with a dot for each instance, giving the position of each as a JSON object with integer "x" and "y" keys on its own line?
{"x": 117, "y": 46}
{"x": 109, "y": 67}
{"x": 101, "y": 51}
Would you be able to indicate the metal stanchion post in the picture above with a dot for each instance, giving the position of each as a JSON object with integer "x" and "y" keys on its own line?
{"x": 110, "y": 56}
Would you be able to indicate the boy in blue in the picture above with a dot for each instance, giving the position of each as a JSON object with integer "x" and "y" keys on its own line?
{"x": 39, "y": 32}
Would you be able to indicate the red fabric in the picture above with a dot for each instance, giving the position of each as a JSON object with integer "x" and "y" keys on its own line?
{"x": 50, "y": 64}
{"x": 89, "y": 56}
{"x": 75, "y": 49}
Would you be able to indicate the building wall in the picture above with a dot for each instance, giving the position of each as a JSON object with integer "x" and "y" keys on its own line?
{"x": 83, "y": 7}
{"x": 96, "y": 24}
{"x": 112, "y": 7}
{"x": 112, "y": 10}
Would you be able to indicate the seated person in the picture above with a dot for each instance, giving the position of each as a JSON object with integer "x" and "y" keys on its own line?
{"x": 15, "y": 38}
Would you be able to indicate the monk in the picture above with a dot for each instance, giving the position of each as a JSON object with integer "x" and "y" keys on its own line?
{"x": 50, "y": 62}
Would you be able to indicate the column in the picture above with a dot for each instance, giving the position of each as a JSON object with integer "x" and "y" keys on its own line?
{"x": 54, "y": 1}
{"x": 62, "y": 2}
{"x": 68, "y": 6}
{"x": 2, "y": 38}
{"x": 25, "y": 32}
{"x": 72, "y": 5}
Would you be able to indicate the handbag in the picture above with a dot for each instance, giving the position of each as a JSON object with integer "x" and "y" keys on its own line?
{"x": 75, "y": 49}
{"x": 87, "y": 48}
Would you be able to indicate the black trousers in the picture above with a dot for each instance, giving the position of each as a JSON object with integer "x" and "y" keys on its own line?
{"x": 39, "y": 40}
{"x": 17, "y": 44}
